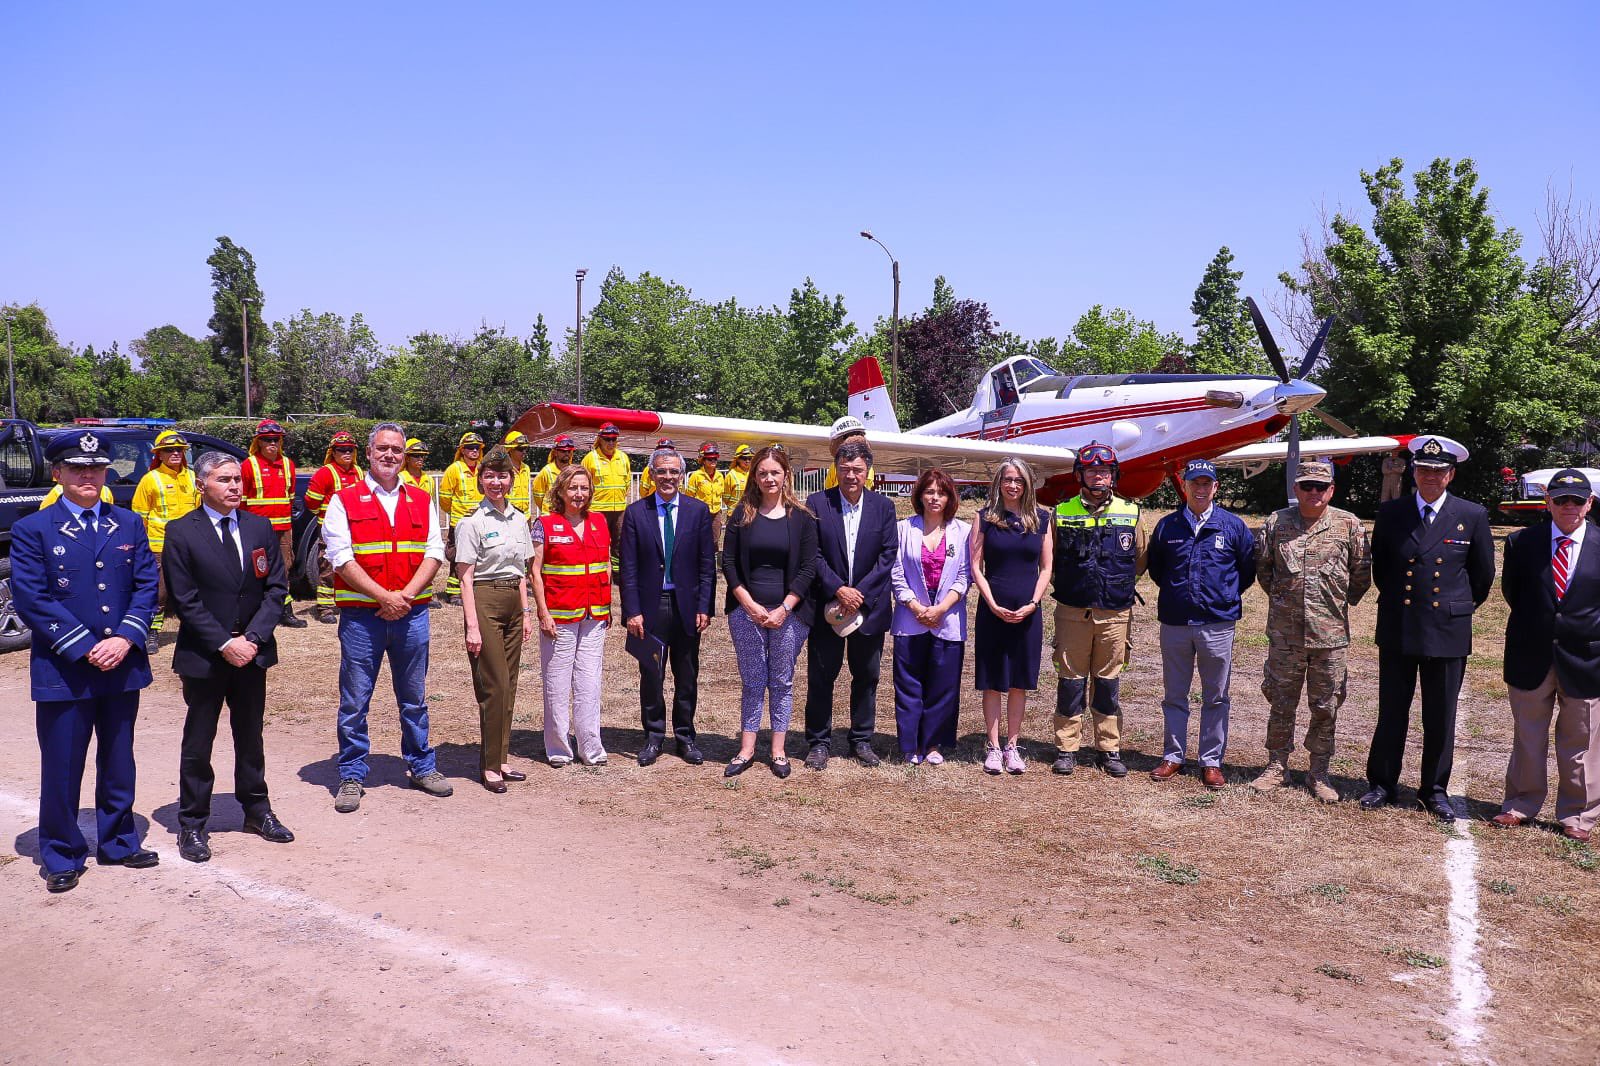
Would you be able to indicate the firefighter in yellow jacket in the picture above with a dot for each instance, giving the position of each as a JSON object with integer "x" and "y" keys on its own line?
{"x": 610, "y": 473}
{"x": 735, "y": 477}
{"x": 459, "y": 496}
{"x": 411, "y": 473}
{"x": 560, "y": 458}
{"x": 521, "y": 494}
{"x": 168, "y": 491}
{"x": 706, "y": 485}
{"x": 339, "y": 470}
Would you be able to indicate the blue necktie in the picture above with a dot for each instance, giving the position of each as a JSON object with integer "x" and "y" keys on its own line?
{"x": 87, "y": 521}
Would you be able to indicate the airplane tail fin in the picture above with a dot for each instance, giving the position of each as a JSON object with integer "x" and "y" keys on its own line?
{"x": 869, "y": 399}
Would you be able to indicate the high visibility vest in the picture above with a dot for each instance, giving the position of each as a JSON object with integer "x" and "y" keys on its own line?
{"x": 542, "y": 481}
{"x": 458, "y": 491}
{"x": 269, "y": 490}
{"x": 521, "y": 494}
{"x": 423, "y": 481}
{"x": 390, "y": 552}
{"x": 733, "y": 482}
{"x": 1096, "y": 554}
{"x": 55, "y": 494}
{"x": 576, "y": 570}
{"x": 329, "y": 479}
{"x": 611, "y": 477}
{"x": 163, "y": 496}
{"x": 707, "y": 488}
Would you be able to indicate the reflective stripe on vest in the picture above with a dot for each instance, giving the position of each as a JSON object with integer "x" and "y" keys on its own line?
{"x": 389, "y": 551}
{"x": 576, "y": 570}
{"x": 275, "y": 485}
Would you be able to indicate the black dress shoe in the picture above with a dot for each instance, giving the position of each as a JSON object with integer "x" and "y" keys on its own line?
{"x": 690, "y": 752}
{"x": 1439, "y": 808}
{"x": 513, "y": 775}
{"x": 737, "y": 766}
{"x": 864, "y": 753}
{"x": 649, "y": 753}
{"x": 268, "y": 828}
{"x": 497, "y": 787}
{"x": 1374, "y": 799}
{"x": 817, "y": 757}
{"x": 65, "y": 881}
{"x": 192, "y": 845}
{"x": 780, "y": 768}
{"x": 290, "y": 620}
{"x": 142, "y": 859}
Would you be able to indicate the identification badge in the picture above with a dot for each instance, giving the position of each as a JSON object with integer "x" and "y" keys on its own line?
{"x": 562, "y": 540}
{"x": 1218, "y": 542}
{"x": 258, "y": 561}
{"x": 493, "y": 534}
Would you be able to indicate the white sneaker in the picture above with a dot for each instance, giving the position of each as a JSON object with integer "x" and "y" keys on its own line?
{"x": 933, "y": 758}
{"x": 993, "y": 760}
{"x": 1014, "y": 764}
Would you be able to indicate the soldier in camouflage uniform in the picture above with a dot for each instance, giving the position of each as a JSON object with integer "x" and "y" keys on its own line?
{"x": 1314, "y": 562}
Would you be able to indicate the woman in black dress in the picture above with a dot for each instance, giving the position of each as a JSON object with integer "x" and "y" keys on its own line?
{"x": 1011, "y": 566}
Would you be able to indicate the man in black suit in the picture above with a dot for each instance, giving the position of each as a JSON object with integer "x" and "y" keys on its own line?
{"x": 1433, "y": 564}
{"x": 856, "y": 545}
{"x": 225, "y": 575}
{"x": 669, "y": 579}
{"x": 1551, "y": 578}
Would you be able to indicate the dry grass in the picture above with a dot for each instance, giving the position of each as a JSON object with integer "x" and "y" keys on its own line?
{"x": 1299, "y": 898}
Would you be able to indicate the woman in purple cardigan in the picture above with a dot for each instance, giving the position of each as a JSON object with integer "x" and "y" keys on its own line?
{"x": 931, "y": 573}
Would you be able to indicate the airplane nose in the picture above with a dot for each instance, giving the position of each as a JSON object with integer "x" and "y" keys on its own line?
{"x": 1299, "y": 396}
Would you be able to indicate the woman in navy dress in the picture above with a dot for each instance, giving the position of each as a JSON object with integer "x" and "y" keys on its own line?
{"x": 1011, "y": 566}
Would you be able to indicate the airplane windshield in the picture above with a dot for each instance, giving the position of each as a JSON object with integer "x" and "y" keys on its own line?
{"x": 1027, "y": 370}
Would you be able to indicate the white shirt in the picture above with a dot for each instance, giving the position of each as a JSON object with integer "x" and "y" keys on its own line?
{"x": 852, "y": 530}
{"x": 1576, "y": 536}
{"x": 1437, "y": 505}
{"x": 217, "y": 518}
{"x": 664, "y": 506}
{"x": 1198, "y": 522}
{"x": 336, "y": 525}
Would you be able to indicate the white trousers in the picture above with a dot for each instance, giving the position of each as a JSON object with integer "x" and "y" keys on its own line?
{"x": 571, "y": 662}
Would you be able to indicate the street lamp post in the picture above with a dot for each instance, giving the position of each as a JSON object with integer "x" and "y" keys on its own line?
{"x": 895, "y": 265}
{"x": 578, "y": 332}
{"x": 244, "y": 324}
{"x": 11, "y": 369}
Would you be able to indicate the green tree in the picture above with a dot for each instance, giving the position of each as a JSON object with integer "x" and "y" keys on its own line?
{"x": 1225, "y": 341}
{"x": 39, "y": 359}
{"x": 178, "y": 376}
{"x": 315, "y": 363}
{"x": 1441, "y": 327}
{"x": 1115, "y": 342}
{"x": 813, "y": 359}
{"x": 233, "y": 291}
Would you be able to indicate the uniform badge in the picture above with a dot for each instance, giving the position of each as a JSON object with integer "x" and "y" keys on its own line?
{"x": 258, "y": 561}
{"x": 1460, "y": 528}
{"x": 1218, "y": 542}
{"x": 89, "y": 442}
{"x": 1125, "y": 541}
{"x": 61, "y": 581}
{"x": 58, "y": 550}
{"x": 1432, "y": 448}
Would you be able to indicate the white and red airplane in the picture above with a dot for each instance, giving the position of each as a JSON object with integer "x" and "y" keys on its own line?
{"x": 1021, "y": 407}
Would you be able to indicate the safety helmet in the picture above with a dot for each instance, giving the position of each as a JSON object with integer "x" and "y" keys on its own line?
{"x": 515, "y": 439}
{"x": 342, "y": 439}
{"x": 562, "y": 441}
{"x": 1095, "y": 454}
{"x": 469, "y": 438}
{"x": 414, "y": 446}
{"x": 268, "y": 427}
{"x": 169, "y": 438}
{"x": 844, "y": 427}
{"x": 666, "y": 442}
{"x": 708, "y": 450}
{"x": 610, "y": 430}
{"x": 743, "y": 452}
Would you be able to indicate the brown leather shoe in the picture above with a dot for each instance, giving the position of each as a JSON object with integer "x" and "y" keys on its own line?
{"x": 1211, "y": 777}
{"x": 1167, "y": 769}
{"x": 1508, "y": 820}
{"x": 1572, "y": 832}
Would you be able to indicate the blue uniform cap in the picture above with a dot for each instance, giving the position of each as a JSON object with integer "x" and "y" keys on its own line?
{"x": 78, "y": 449}
{"x": 1200, "y": 468}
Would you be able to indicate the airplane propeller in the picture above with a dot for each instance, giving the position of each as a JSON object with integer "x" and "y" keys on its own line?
{"x": 1275, "y": 357}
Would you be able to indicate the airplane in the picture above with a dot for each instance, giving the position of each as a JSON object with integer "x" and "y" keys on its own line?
{"x": 1025, "y": 408}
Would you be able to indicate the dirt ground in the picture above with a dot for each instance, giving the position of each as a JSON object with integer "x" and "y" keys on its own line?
{"x": 891, "y": 915}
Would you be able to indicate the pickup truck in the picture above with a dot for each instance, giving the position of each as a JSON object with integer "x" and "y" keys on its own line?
{"x": 25, "y": 480}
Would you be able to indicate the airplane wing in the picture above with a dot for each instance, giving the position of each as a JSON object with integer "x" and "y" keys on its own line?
{"x": 907, "y": 453}
{"x": 1277, "y": 451}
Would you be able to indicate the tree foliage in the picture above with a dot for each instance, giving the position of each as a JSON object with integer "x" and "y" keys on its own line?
{"x": 1116, "y": 342}
{"x": 943, "y": 353}
{"x": 1225, "y": 340}
{"x": 1441, "y": 327}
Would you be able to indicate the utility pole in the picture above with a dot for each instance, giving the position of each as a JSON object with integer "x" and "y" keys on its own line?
{"x": 244, "y": 322}
{"x": 578, "y": 331}
{"x": 894, "y": 395}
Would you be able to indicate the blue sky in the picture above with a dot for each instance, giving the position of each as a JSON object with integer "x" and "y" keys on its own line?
{"x": 435, "y": 166}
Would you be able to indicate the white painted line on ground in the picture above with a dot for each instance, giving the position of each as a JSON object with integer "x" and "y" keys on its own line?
{"x": 1467, "y": 980}
{"x": 541, "y": 992}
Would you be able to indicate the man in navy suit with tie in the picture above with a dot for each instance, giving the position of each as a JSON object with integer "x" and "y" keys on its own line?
{"x": 669, "y": 579}
{"x": 1551, "y": 578}
{"x": 1433, "y": 564}
{"x": 226, "y": 583}
{"x": 856, "y": 546}
{"x": 84, "y": 580}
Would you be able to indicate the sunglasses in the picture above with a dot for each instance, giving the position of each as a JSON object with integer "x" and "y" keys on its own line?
{"x": 1569, "y": 501}
{"x": 1312, "y": 486}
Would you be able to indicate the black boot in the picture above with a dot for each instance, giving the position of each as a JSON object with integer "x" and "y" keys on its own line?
{"x": 290, "y": 619}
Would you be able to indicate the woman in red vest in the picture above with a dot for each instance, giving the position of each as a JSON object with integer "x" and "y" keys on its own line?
{"x": 571, "y": 575}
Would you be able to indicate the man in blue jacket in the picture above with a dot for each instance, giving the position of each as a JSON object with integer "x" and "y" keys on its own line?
{"x": 84, "y": 581}
{"x": 1203, "y": 558}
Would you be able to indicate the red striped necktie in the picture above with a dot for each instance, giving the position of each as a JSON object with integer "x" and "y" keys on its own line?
{"x": 1562, "y": 565}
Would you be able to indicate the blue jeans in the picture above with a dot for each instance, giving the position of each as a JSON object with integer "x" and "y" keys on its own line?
{"x": 364, "y": 638}
{"x": 1210, "y": 647}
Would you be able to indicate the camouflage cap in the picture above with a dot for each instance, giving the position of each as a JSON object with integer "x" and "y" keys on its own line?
{"x": 1315, "y": 471}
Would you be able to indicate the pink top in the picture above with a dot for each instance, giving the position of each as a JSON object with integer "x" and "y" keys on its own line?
{"x": 933, "y": 563}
